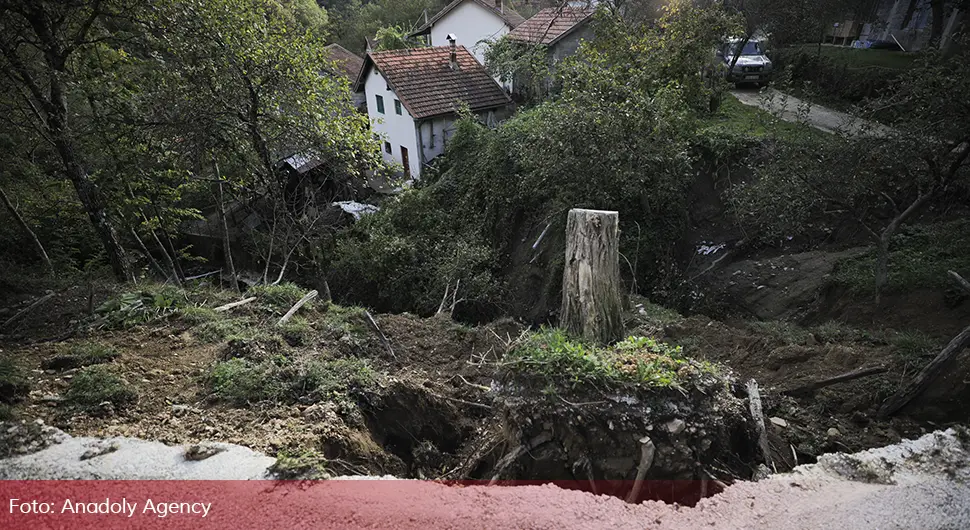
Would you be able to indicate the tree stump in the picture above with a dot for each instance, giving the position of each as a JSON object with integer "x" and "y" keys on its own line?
{"x": 591, "y": 301}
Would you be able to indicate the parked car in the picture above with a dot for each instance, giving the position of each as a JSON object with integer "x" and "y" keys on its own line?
{"x": 753, "y": 65}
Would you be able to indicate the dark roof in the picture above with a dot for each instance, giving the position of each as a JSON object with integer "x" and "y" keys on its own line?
{"x": 349, "y": 63}
{"x": 426, "y": 84}
{"x": 506, "y": 13}
{"x": 550, "y": 25}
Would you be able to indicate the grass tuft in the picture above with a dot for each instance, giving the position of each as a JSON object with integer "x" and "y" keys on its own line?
{"x": 550, "y": 355}
{"x": 82, "y": 354}
{"x": 279, "y": 297}
{"x": 94, "y": 385}
{"x": 14, "y": 385}
{"x": 242, "y": 381}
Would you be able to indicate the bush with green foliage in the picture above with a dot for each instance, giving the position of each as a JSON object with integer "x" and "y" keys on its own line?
{"x": 832, "y": 79}
{"x": 281, "y": 296}
{"x": 558, "y": 360}
{"x": 138, "y": 307}
{"x": 94, "y": 385}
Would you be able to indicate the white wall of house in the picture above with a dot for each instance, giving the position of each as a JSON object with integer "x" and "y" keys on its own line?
{"x": 471, "y": 23}
{"x": 397, "y": 130}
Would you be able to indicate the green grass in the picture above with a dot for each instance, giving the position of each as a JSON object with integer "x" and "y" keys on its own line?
{"x": 82, "y": 354}
{"x": 346, "y": 319}
{"x": 735, "y": 120}
{"x": 296, "y": 331}
{"x": 552, "y": 356}
{"x": 94, "y": 385}
{"x": 279, "y": 297}
{"x": 224, "y": 329}
{"x": 13, "y": 382}
{"x": 241, "y": 381}
{"x": 303, "y": 465}
{"x": 196, "y": 315}
{"x": 860, "y": 58}
{"x": 919, "y": 257}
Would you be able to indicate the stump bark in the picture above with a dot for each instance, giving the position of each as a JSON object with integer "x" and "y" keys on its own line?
{"x": 591, "y": 301}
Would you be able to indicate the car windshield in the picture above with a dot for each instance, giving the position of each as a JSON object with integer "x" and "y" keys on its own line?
{"x": 751, "y": 48}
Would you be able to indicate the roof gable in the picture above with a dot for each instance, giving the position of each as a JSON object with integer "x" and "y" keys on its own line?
{"x": 551, "y": 25}
{"x": 506, "y": 13}
{"x": 348, "y": 62}
{"x": 422, "y": 78}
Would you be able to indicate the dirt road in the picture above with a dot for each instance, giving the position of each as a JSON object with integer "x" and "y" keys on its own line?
{"x": 790, "y": 108}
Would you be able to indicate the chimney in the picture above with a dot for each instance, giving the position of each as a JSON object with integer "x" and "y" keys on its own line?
{"x": 453, "y": 56}
{"x": 500, "y": 5}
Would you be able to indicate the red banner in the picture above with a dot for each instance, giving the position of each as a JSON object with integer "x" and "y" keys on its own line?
{"x": 243, "y": 505}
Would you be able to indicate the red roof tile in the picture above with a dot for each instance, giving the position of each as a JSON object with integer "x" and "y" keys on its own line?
{"x": 505, "y": 12}
{"x": 422, "y": 78}
{"x": 551, "y": 24}
{"x": 349, "y": 63}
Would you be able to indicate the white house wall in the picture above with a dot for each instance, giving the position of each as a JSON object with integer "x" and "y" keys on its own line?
{"x": 471, "y": 23}
{"x": 397, "y": 129}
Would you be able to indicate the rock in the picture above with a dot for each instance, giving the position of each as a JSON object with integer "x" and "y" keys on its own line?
{"x": 676, "y": 426}
{"x": 100, "y": 449}
{"x": 833, "y": 432}
{"x": 811, "y": 340}
{"x": 202, "y": 451}
{"x": 779, "y": 422}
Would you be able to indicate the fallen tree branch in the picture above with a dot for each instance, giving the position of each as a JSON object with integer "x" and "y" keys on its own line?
{"x": 232, "y": 305}
{"x": 754, "y": 402}
{"x": 463, "y": 402}
{"x": 922, "y": 381}
{"x": 647, "y": 452}
{"x": 965, "y": 285}
{"x": 380, "y": 334}
{"x": 23, "y": 312}
{"x": 289, "y": 314}
{"x": 848, "y": 376}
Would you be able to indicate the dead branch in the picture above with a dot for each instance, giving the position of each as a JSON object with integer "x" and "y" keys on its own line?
{"x": 462, "y": 401}
{"x": 28, "y": 309}
{"x": 848, "y": 376}
{"x": 647, "y": 452}
{"x": 965, "y": 285}
{"x": 480, "y": 387}
{"x": 296, "y": 307}
{"x": 922, "y": 381}
{"x": 233, "y": 305}
{"x": 380, "y": 334}
{"x": 514, "y": 455}
{"x": 754, "y": 402}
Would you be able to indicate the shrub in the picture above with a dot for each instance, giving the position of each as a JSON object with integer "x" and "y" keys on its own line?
{"x": 82, "y": 354}
{"x": 553, "y": 357}
{"x": 834, "y": 80}
{"x": 13, "y": 382}
{"x": 296, "y": 331}
{"x": 133, "y": 308}
{"x": 303, "y": 465}
{"x": 94, "y": 385}
{"x": 279, "y": 297}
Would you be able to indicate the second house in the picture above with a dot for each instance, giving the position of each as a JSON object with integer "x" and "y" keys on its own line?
{"x": 413, "y": 97}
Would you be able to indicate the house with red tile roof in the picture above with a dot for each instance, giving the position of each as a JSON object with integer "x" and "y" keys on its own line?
{"x": 561, "y": 29}
{"x": 472, "y": 22}
{"x": 413, "y": 97}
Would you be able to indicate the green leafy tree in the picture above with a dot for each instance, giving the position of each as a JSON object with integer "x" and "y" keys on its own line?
{"x": 395, "y": 38}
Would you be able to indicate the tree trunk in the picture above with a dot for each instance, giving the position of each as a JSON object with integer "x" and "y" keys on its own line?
{"x": 226, "y": 247}
{"x": 26, "y": 228}
{"x": 927, "y": 375}
{"x": 591, "y": 302}
{"x": 910, "y": 10}
{"x": 882, "y": 267}
{"x": 939, "y": 19}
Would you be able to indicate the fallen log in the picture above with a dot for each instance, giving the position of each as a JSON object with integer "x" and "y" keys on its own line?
{"x": 757, "y": 413}
{"x": 23, "y": 312}
{"x": 848, "y": 376}
{"x": 922, "y": 381}
{"x": 233, "y": 305}
{"x": 296, "y": 307}
{"x": 965, "y": 285}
